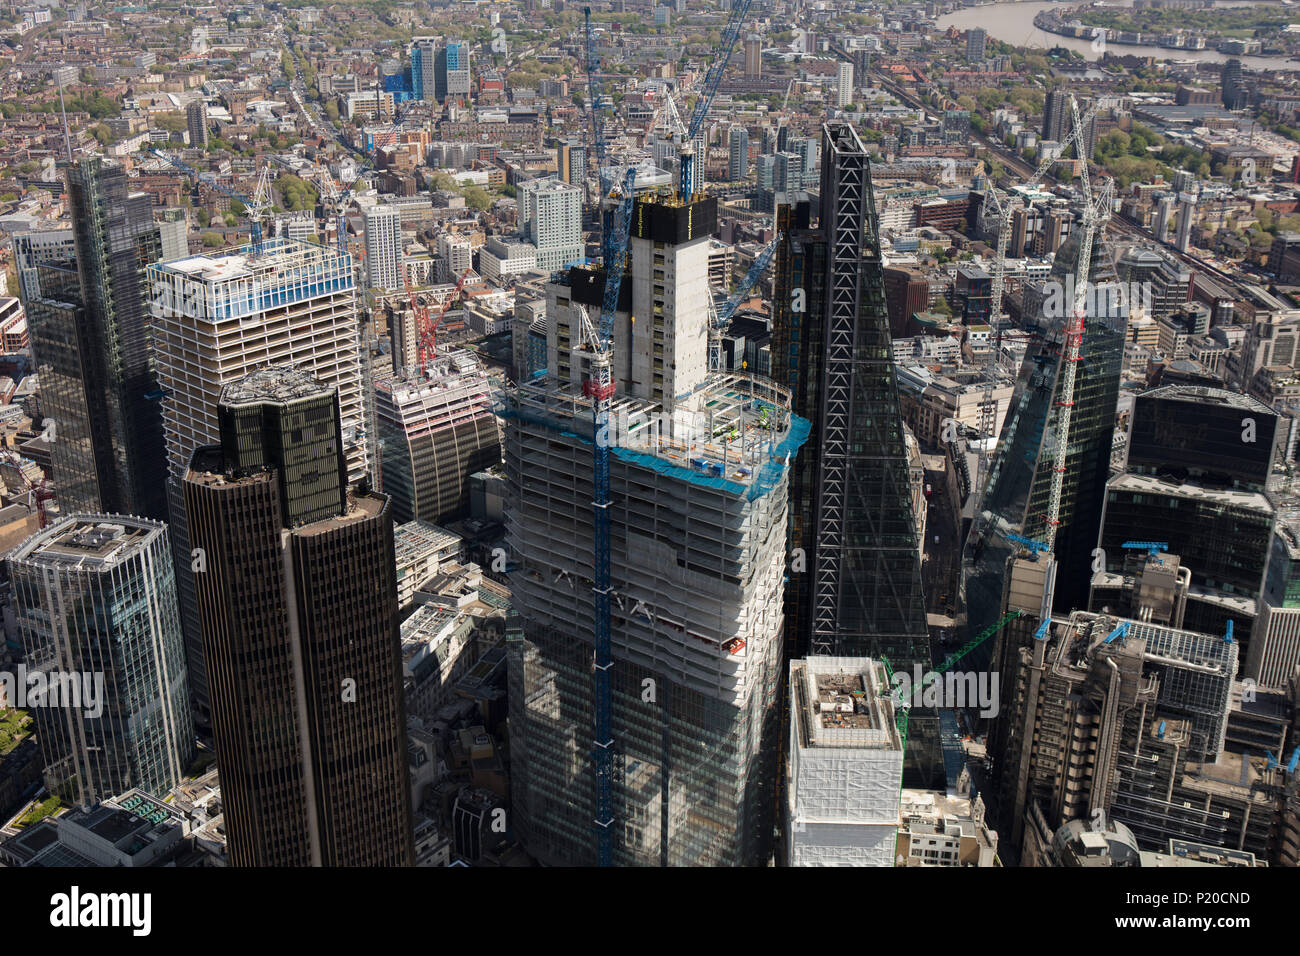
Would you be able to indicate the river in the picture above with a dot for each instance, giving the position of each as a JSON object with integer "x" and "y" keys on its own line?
{"x": 1014, "y": 23}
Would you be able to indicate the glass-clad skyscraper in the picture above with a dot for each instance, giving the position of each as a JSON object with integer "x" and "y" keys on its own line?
{"x": 855, "y": 586}
{"x": 95, "y": 599}
{"x": 1020, "y": 476}
{"x": 92, "y": 340}
{"x": 851, "y": 504}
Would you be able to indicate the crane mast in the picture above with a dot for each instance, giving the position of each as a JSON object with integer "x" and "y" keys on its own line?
{"x": 1094, "y": 217}
{"x": 988, "y": 405}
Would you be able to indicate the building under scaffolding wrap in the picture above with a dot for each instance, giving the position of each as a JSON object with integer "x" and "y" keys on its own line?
{"x": 846, "y": 764}
{"x": 697, "y": 556}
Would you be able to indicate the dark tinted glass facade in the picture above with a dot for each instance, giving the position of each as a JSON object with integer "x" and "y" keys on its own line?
{"x": 299, "y": 440}
{"x": 1020, "y": 477}
{"x": 855, "y": 584}
{"x": 1209, "y": 436}
{"x": 116, "y": 240}
{"x": 57, "y": 325}
{"x": 851, "y": 505}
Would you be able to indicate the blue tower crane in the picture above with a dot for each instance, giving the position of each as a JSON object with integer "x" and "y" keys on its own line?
{"x": 1033, "y": 545}
{"x": 600, "y": 388}
{"x": 713, "y": 77}
{"x": 1150, "y": 547}
{"x": 719, "y": 321}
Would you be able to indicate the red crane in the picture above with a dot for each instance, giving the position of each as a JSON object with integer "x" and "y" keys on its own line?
{"x": 419, "y": 310}
{"x": 38, "y": 492}
{"x": 429, "y": 329}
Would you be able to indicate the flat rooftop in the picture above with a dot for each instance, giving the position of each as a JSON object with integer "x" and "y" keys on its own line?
{"x": 279, "y": 257}
{"x": 842, "y": 702}
{"x": 274, "y": 383}
{"x": 85, "y": 540}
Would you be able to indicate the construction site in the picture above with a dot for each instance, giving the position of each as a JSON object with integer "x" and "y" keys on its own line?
{"x": 653, "y": 620}
{"x": 219, "y": 316}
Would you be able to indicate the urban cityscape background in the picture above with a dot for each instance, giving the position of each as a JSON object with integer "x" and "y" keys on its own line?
{"x": 653, "y": 433}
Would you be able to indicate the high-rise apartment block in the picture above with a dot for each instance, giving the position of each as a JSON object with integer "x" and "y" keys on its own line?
{"x": 196, "y": 123}
{"x": 297, "y": 599}
{"x": 1236, "y": 92}
{"x": 976, "y": 41}
{"x": 218, "y": 317}
{"x": 698, "y": 480}
{"x": 753, "y": 56}
{"x": 738, "y": 146}
{"x": 845, "y": 764}
{"x": 424, "y": 64}
{"x": 95, "y": 601}
{"x": 452, "y": 74}
{"x": 1056, "y": 116}
{"x": 383, "y": 234}
{"x": 437, "y": 429}
{"x": 550, "y": 217}
{"x": 844, "y": 85}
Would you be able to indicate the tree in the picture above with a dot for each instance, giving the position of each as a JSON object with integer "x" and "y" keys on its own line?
{"x": 212, "y": 240}
{"x": 476, "y": 197}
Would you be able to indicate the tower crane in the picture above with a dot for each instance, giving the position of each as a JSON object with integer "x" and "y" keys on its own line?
{"x": 988, "y": 406}
{"x": 38, "y": 493}
{"x": 255, "y": 208}
{"x": 1094, "y": 219}
{"x": 718, "y": 319}
{"x": 429, "y": 328}
{"x": 903, "y": 703}
{"x": 712, "y": 78}
{"x": 599, "y": 387}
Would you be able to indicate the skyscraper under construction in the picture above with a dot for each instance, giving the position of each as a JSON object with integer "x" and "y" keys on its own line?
{"x": 698, "y": 484}
{"x": 1015, "y": 499}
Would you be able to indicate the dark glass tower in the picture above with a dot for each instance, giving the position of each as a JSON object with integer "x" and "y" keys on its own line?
{"x": 1198, "y": 462}
{"x": 855, "y": 584}
{"x": 102, "y": 348}
{"x": 297, "y": 597}
{"x": 57, "y": 323}
{"x": 1020, "y": 476}
{"x": 851, "y": 504}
